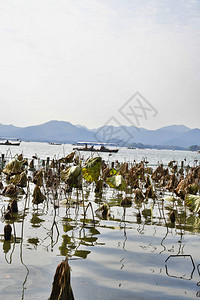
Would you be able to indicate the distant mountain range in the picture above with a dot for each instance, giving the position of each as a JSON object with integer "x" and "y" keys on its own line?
{"x": 174, "y": 136}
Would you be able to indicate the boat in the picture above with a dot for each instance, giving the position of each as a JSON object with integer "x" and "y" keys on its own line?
{"x": 55, "y": 144}
{"x": 92, "y": 149}
{"x": 7, "y": 143}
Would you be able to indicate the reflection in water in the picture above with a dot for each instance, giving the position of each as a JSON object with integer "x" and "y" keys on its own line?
{"x": 198, "y": 294}
{"x": 180, "y": 264}
{"x": 21, "y": 249}
{"x": 34, "y": 242}
{"x": 162, "y": 241}
{"x": 198, "y": 283}
{"x": 6, "y": 246}
{"x": 36, "y": 221}
{"x": 136, "y": 237}
{"x": 77, "y": 238}
{"x": 71, "y": 242}
{"x": 66, "y": 247}
{"x": 82, "y": 253}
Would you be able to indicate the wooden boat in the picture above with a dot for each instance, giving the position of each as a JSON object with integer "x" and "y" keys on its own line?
{"x": 55, "y": 144}
{"x": 101, "y": 149}
{"x": 7, "y": 143}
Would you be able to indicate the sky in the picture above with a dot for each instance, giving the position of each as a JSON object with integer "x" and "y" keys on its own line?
{"x": 92, "y": 62}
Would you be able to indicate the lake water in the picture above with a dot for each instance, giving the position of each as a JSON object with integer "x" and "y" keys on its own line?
{"x": 120, "y": 258}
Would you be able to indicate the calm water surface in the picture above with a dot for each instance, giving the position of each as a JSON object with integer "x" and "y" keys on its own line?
{"x": 119, "y": 258}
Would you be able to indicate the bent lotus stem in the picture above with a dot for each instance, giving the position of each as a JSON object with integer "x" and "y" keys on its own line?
{"x": 89, "y": 205}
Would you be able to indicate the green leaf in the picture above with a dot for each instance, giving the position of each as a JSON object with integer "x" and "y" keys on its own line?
{"x": 91, "y": 171}
{"x": 117, "y": 182}
{"x": 169, "y": 198}
{"x": 72, "y": 176}
{"x": 193, "y": 202}
{"x": 192, "y": 188}
{"x": 113, "y": 171}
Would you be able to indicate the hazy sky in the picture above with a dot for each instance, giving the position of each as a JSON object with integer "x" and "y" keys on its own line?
{"x": 82, "y": 60}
